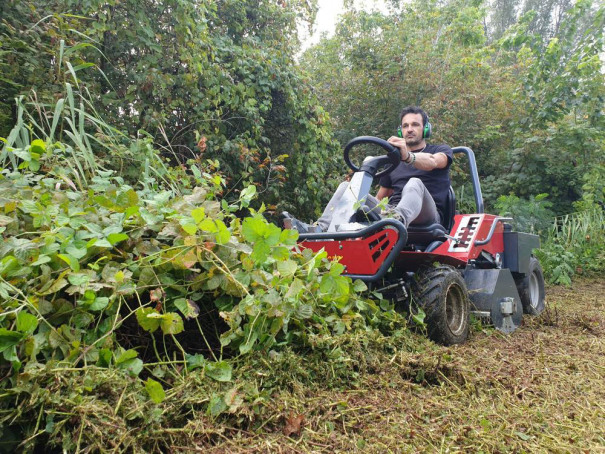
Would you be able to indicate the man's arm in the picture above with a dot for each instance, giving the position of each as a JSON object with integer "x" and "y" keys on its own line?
{"x": 427, "y": 161}
{"x": 384, "y": 192}
{"x": 424, "y": 161}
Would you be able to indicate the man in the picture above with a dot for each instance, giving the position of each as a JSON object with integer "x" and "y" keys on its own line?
{"x": 417, "y": 189}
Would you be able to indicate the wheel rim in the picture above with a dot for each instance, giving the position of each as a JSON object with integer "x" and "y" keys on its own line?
{"x": 534, "y": 290}
{"x": 455, "y": 309}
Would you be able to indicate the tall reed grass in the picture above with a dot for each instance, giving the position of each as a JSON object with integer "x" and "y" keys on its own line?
{"x": 575, "y": 244}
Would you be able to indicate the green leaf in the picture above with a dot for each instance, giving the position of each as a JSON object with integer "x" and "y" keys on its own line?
{"x": 26, "y": 322}
{"x": 288, "y": 237}
{"x": 5, "y": 220}
{"x": 128, "y": 361}
{"x": 132, "y": 366}
{"x": 149, "y": 319}
{"x": 248, "y": 194}
{"x": 208, "y": 225}
{"x": 115, "y": 238}
{"x": 272, "y": 235}
{"x": 287, "y": 268}
{"x": 9, "y": 339}
{"x": 126, "y": 356}
{"x": 99, "y": 304}
{"x": 8, "y": 264}
{"x": 419, "y": 316}
{"x": 217, "y": 405}
{"x": 280, "y": 253}
{"x": 41, "y": 260}
{"x": 254, "y": 229}
{"x": 198, "y": 214}
{"x": 71, "y": 261}
{"x": 54, "y": 287}
{"x": 223, "y": 235}
{"x": 219, "y": 371}
{"x": 188, "y": 227}
{"x": 195, "y": 361}
{"x": 247, "y": 346}
{"x": 522, "y": 436}
{"x": 76, "y": 252}
{"x": 187, "y": 307}
{"x": 30, "y": 206}
{"x": 260, "y": 252}
{"x": 305, "y": 311}
{"x": 336, "y": 269}
{"x": 38, "y": 146}
{"x": 102, "y": 243}
{"x": 171, "y": 323}
{"x": 155, "y": 390}
{"x": 359, "y": 286}
{"x": 105, "y": 356}
{"x": 295, "y": 288}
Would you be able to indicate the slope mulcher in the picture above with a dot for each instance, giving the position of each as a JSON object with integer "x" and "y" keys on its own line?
{"x": 475, "y": 263}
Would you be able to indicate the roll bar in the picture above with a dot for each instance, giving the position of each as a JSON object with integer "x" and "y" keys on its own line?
{"x": 474, "y": 176}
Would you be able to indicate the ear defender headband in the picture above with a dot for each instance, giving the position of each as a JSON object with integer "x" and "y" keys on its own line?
{"x": 426, "y": 132}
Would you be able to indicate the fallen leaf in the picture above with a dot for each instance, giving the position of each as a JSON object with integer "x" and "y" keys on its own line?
{"x": 293, "y": 425}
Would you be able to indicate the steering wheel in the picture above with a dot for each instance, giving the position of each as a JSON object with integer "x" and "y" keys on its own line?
{"x": 393, "y": 156}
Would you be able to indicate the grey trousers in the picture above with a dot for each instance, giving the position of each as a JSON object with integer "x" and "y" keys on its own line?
{"x": 415, "y": 207}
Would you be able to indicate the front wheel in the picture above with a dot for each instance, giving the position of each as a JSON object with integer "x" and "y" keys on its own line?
{"x": 531, "y": 288}
{"x": 441, "y": 293}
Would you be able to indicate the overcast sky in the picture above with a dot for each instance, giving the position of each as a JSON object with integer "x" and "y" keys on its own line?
{"x": 327, "y": 17}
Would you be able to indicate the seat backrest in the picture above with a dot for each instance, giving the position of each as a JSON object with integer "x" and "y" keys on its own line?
{"x": 450, "y": 210}
{"x": 425, "y": 234}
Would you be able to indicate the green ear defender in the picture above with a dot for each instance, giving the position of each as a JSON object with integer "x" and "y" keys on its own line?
{"x": 426, "y": 132}
{"x": 428, "y": 129}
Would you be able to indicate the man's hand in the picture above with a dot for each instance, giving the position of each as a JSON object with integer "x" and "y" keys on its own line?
{"x": 400, "y": 143}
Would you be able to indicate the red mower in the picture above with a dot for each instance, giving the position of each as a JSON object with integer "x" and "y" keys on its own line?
{"x": 474, "y": 264}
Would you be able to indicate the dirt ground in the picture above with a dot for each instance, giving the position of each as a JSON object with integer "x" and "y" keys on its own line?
{"x": 541, "y": 389}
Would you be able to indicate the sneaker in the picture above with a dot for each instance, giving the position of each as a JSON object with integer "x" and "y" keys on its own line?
{"x": 290, "y": 222}
{"x": 392, "y": 213}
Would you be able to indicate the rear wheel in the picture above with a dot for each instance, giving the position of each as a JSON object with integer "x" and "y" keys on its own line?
{"x": 531, "y": 288}
{"x": 441, "y": 293}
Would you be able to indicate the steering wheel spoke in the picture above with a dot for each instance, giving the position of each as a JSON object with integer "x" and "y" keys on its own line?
{"x": 393, "y": 156}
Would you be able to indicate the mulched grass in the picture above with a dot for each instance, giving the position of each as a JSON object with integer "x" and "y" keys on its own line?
{"x": 541, "y": 389}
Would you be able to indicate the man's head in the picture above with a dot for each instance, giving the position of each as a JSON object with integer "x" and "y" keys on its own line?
{"x": 413, "y": 122}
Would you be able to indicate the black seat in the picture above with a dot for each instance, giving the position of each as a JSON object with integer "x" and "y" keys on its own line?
{"x": 425, "y": 234}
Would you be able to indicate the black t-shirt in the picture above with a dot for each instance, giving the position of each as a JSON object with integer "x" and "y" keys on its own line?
{"x": 437, "y": 181}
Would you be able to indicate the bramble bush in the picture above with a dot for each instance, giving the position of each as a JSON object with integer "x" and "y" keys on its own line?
{"x": 159, "y": 278}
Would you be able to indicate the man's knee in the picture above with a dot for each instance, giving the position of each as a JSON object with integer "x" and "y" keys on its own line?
{"x": 415, "y": 184}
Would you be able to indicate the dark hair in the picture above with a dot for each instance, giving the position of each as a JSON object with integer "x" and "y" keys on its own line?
{"x": 414, "y": 110}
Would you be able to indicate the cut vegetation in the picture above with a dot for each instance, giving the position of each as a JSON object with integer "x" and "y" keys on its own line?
{"x": 538, "y": 390}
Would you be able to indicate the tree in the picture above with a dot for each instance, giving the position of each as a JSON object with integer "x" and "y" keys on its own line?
{"x": 220, "y": 73}
{"x": 529, "y": 105}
